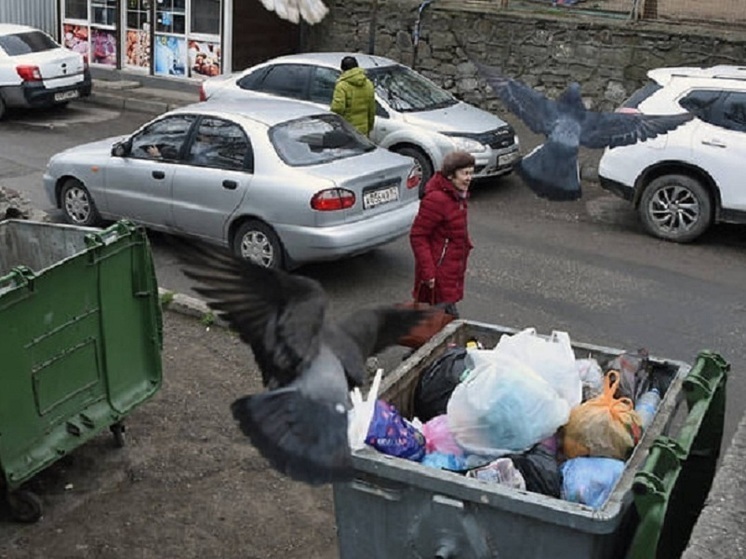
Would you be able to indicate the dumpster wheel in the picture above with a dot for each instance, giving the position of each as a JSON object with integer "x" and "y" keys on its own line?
{"x": 24, "y": 505}
{"x": 117, "y": 429}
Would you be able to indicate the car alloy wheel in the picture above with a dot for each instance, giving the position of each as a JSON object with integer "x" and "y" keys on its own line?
{"x": 77, "y": 204}
{"x": 257, "y": 242}
{"x": 676, "y": 208}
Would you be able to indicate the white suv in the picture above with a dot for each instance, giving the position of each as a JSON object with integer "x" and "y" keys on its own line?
{"x": 692, "y": 177}
{"x": 35, "y": 71}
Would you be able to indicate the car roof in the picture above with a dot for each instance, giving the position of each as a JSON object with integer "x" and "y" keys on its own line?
{"x": 721, "y": 72}
{"x": 334, "y": 59}
{"x": 268, "y": 111}
{"x": 12, "y": 28}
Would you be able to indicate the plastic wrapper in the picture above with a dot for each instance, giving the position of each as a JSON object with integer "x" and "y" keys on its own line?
{"x": 590, "y": 480}
{"x": 501, "y": 471}
{"x": 391, "y": 434}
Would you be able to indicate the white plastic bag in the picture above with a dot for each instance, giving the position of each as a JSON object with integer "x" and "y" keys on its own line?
{"x": 360, "y": 414}
{"x": 503, "y": 406}
{"x": 551, "y": 358}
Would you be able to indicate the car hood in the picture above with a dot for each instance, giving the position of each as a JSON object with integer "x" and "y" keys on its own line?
{"x": 460, "y": 117}
{"x": 93, "y": 149}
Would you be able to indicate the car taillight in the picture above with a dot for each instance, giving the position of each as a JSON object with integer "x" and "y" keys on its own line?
{"x": 29, "y": 73}
{"x": 414, "y": 177}
{"x": 202, "y": 96}
{"x": 333, "y": 199}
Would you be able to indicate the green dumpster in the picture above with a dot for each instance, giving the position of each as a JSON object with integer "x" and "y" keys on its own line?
{"x": 398, "y": 508}
{"x": 80, "y": 342}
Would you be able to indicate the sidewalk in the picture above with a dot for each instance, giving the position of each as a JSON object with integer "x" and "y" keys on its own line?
{"x": 720, "y": 532}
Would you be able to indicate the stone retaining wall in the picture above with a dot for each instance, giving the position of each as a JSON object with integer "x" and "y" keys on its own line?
{"x": 608, "y": 57}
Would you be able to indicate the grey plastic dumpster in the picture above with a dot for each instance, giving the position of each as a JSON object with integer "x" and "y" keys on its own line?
{"x": 400, "y": 509}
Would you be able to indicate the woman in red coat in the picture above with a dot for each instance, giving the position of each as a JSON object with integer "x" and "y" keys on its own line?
{"x": 440, "y": 235}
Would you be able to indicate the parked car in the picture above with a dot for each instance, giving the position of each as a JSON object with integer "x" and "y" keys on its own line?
{"x": 686, "y": 180}
{"x": 414, "y": 117}
{"x": 35, "y": 71}
{"x": 277, "y": 181}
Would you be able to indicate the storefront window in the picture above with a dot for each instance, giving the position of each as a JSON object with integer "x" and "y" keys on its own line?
{"x": 76, "y": 9}
{"x": 170, "y": 16}
{"x": 103, "y": 12}
{"x": 205, "y": 17}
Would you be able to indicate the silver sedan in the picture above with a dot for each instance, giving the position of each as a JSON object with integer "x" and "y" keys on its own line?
{"x": 278, "y": 181}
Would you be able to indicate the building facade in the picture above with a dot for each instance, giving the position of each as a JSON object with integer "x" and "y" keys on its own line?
{"x": 190, "y": 39}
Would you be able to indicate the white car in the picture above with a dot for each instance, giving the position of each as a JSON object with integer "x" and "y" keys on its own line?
{"x": 684, "y": 181}
{"x": 35, "y": 71}
{"x": 414, "y": 117}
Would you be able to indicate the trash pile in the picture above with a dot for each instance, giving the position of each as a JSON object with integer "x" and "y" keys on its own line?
{"x": 527, "y": 414}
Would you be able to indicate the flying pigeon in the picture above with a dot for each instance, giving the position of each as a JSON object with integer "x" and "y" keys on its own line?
{"x": 308, "y": 362}
{"x": 312, "y": 11}
{"x": 551, "y": 170}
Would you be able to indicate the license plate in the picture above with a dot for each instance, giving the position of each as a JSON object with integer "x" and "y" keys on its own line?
{"x": 66, "y": 95}
{"x": 507, "y": 158}
{"x": 381, "y": 196}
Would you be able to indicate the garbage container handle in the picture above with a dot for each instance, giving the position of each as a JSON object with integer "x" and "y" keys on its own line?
{"x": 18, "y": 276}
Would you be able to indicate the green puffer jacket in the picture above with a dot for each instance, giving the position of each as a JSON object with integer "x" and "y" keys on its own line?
{"x": 353, "y": 99}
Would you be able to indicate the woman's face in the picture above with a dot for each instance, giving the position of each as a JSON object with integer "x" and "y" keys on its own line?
{"x": 461, "y": 178}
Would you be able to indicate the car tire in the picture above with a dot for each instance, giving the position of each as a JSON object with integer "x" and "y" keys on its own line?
{"x": 257, "y": 242}
{"x": 422, "y": 162}
{"x": 2, "y": 107}
{"x": 77, "y": 204}
{"x": 676, "y": 208}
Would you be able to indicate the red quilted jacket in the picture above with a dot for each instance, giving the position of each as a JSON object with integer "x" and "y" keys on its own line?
{"x": 440, "y": 242}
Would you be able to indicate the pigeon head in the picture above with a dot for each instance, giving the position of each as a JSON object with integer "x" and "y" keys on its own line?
{"x": 572, "y": 96}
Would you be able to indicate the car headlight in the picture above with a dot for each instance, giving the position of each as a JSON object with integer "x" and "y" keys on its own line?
{"x": 467, "y": 144}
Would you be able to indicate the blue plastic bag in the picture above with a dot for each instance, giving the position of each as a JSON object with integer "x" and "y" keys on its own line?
{"x": 444, "y": 461}
{"x": 391, "y": 434}
{"x": 589, "y": 480}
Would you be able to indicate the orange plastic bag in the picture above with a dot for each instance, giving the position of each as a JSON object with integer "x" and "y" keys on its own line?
{"x": 603, "y": 426}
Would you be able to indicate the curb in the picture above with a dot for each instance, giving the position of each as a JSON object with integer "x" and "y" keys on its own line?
{"x": 187, "y": 305}
{"x": 148, "y": 106}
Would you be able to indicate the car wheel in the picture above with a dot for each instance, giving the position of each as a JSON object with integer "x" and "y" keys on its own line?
{"x": 256, "y": 241}
{"x": 77, "y": 204}
{"x": 2, "y": 107}
{"x": 423, "y": 166}
{"x": 676, "y": 208}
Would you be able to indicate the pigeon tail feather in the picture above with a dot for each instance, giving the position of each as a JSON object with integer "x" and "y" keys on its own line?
{"x": 551, "y": 171}
{"x": 303, "y": 438}
{"x": 312, "y": 11}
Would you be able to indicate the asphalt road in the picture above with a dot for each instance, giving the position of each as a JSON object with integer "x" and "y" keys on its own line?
{"x": 584, "y": 267}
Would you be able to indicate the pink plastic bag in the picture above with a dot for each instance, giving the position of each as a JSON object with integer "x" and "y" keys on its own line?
{"x": 438, "y": 437}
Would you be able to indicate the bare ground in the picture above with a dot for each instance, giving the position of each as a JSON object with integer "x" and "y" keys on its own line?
{"x": 186, "y": 484}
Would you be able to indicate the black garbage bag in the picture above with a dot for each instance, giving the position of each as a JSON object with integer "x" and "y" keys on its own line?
{"x": 437, "y": 382}
{"x": 540, "y": 470}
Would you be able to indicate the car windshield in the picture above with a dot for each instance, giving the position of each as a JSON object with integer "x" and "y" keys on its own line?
{"x": 405, "y": 90}
{"x": 25, "y": 43}
{"x": 317, "y": 139}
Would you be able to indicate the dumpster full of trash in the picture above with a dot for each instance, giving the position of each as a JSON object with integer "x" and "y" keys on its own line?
{"x": 80, "y": 342}
{"x": 502, "y": 486}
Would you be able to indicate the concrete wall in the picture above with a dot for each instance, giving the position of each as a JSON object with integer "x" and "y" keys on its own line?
{"x": 609, "y": 57}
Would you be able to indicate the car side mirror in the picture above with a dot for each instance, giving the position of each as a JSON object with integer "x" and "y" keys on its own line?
{"x": 121, "y": 149}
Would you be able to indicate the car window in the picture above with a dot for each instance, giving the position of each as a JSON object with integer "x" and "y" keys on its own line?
{"x": 322, "y": 85}
{"x": 634, "y": 100}
{"x": 25, "y": 43}
{"x": 220, "y": 144}
{"x": 253, "y": 80}
{"x": 317, "y": 139}
{"x": 734, "y": 111}
{"x": 702, "y": 103}
{"x": 405, "y": 90}
{"x": 286, "y": 80}
{"x": 162, "y": 139}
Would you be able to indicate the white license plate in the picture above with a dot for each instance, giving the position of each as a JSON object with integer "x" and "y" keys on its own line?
{"x": 381, "y": 196}
{"x": 66, "y": 95}
{"x": 507, "y": 158}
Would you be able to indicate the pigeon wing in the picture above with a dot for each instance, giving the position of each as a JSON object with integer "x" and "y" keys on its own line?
{"x": 533, "y": 108}
{"x": 601, "y": 130}
{"x": 278, "y": 314}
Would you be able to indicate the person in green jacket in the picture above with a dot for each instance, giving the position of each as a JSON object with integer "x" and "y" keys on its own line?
{"x": 353, "y": 97}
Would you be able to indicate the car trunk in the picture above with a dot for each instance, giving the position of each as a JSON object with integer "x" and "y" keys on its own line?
{"x": 58, "y": 67}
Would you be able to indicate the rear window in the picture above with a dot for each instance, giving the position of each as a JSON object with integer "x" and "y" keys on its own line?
{"x": 317, "y": 139}
{"x": 641, "y": 94}
{"x": 25, "y": 43}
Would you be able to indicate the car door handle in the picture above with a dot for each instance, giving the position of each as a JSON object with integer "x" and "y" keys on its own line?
{"x": 159, "y": 175}
{"x": 230, "y": 185}
{"x": 714, "y": 143}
